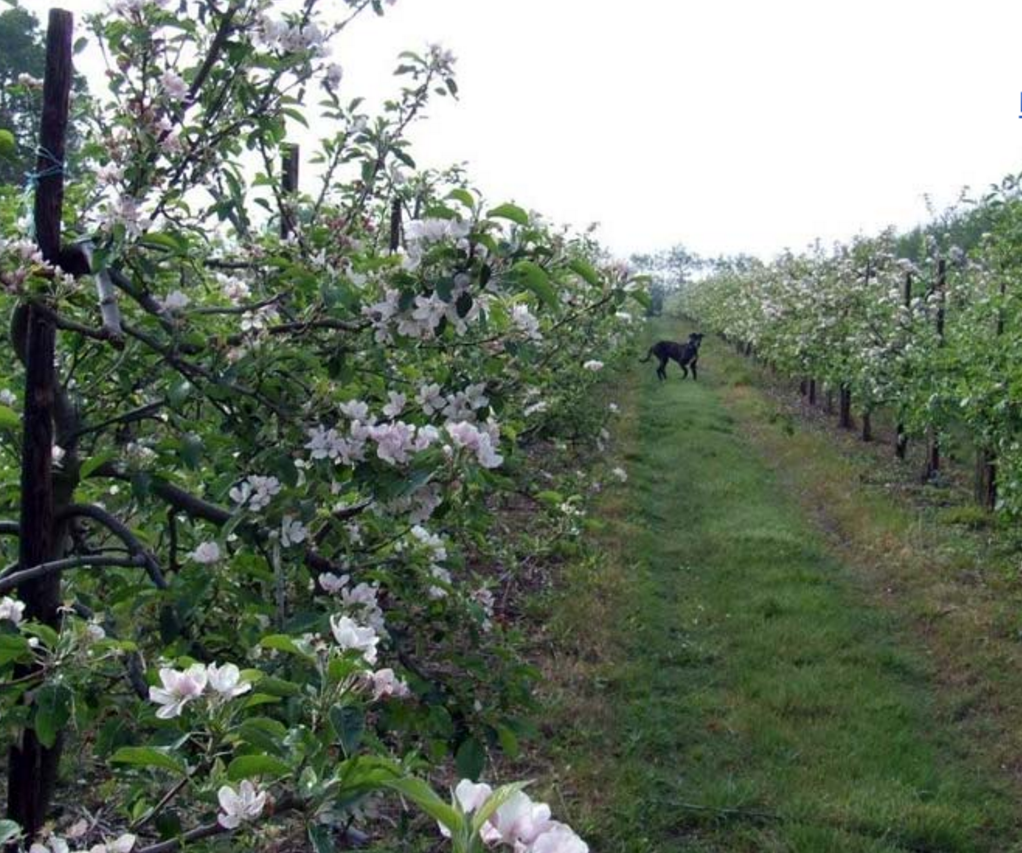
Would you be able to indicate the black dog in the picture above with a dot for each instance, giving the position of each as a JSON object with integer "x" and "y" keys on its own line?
{"x": 687, "y": 355}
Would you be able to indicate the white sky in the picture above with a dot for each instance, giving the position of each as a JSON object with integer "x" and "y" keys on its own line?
{"x": 731, "y": 125}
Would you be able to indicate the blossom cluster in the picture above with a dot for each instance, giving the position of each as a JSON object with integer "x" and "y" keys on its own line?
{"x": 520, "y": 823}
{"x": 179, "y": 687}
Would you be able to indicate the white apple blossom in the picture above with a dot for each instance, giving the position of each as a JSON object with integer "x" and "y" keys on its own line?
{"x": 226, "y": 680}
{"x": 357, "y": 410}
{"x": 122, "y": 844}
{"x": 431, "y": 398}
{"x": 386, "y": 684}
{"x": 471, "y": 796}
{"x": 333, "y": 584}
{"x": 593, "y": 365}
{"x": 7, "y": 397}
{"x": 241, "y": 805}
{"x": 441, "y": 574}
{"x": 519, "y": 820}
{"x": 334, "y": 75}
{"x": 178, "y": 689}
{"x": 350, "y": 635}
{"x": 395, "y": 405}
{"x": 205, "y": 553}
{"x": 11, "y": 610}
{"x": 234, "y": 289}
{"x": 480, "y": 442}
{"x": 175, "y": 301}
{"x": 173, "y": 86}
{"x": 54, "y": 844}
{"x": 109, "y": 174}
{"x": 292, "y": 531}
{"x": 526, "y": 322}
{"x": 256, "y": 491}
{"x": 559, "y": 838}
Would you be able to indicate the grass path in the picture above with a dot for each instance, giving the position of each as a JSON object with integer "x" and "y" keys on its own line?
{"x": 732, "y": 688}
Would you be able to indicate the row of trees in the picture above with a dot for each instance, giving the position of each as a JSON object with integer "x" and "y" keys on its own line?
{"x": 934, "y": 338}
{"x": 255, "y": 434}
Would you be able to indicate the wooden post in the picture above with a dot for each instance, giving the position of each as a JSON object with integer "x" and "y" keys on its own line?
{"x": 867, "y": 427}
{"x": 395, "y": 225}
{"x": 812, "y": 391}
{"x": 986, "y": 465}
{"x": 932, "y": 468}
{"x": 288, "y": 190}
{"x": 32, "y": 768}
{"x": 901, "y": 440}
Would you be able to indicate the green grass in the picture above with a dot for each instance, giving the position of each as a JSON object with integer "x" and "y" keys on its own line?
{"x": 730, "y": 687}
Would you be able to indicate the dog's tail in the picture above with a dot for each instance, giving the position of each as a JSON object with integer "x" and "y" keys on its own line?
{"x": 649, "y": 355}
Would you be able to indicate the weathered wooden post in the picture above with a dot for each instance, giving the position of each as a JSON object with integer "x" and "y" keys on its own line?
{"x": 932, "y": 444}
{"x": 901, "y": 439}
{"x": 32, "y": 768}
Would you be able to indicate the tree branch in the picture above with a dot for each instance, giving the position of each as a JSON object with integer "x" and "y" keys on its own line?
{"x": 121, "y": 531}
{"x": 9, "y": 578}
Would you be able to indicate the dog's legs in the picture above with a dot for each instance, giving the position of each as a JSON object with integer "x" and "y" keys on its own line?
{"x": 660, "y": 371}
{"x": 695, "y": 376}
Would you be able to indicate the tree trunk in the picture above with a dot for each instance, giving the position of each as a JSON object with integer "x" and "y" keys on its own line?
{"x": 867, "y": 427}
{"x": 32, "y": 768}
{"x": 986, "y": 479}
{"x": 812, "y": 392}
{"x": 900, "y": 442}
{"x": 932, "y": 468}
{"x": 844, "y": 419}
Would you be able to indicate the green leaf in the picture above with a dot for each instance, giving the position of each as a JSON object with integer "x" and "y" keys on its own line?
{"x": 509, "y": 211}
{"x": 470, "y": 759}
{"x": 263, "y": 733}
{"x": 321, "y": 838}
{"x": 162, "y": 240}
{"x": 8, "y": 145}
{"x": 533, "y": 277}
{"x": 642, "y": 298}
{"x": 426, "y": 799}
{"x": 148, "y": 756}
{"x": 94, "y": 462}
{"x": 179, "y": 392}
{"x": 282, "y": 643}
{"x": 349, "y": 724}
{"x": 9, "y": 418}
{"x": 278, "y": 687}
{"x": 247, "y": 766}
{"x": 14, "y": 647}
{"x": 464, "y": 196}
{"x": 585, "y": 269}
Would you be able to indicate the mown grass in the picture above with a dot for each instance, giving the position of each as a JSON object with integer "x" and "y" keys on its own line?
{"x": 724, "y": 683}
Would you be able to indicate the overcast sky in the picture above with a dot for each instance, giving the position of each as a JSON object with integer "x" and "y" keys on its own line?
{"x": 730, "y": 126}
